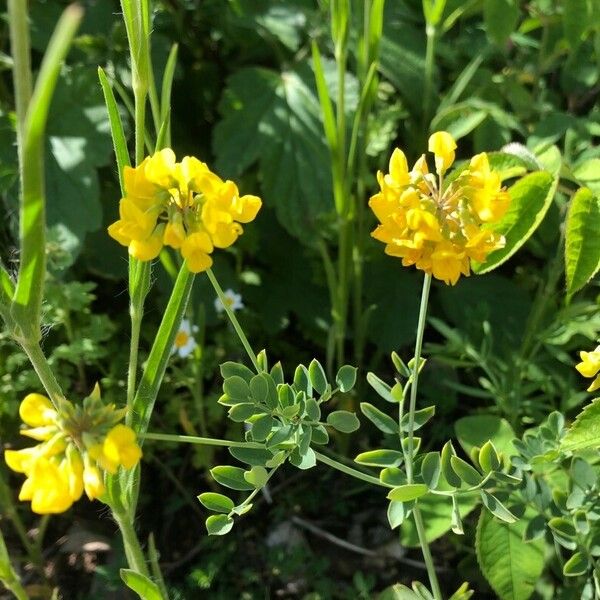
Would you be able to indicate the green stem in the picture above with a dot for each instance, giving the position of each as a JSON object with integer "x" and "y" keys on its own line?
{"x": 349, "y": 470}
{"x": 233, "y": 319}
{"x": 43, "y": 370}
{"x": 433, "y": 580}
{"x": 140, "y": 124}
{"x": 22, "y": 81}
{"x": 430, "y": 32}
{"x": 415, "y": 376}
{"x": 133, "y": 549}
{"x": 204, "y": 441}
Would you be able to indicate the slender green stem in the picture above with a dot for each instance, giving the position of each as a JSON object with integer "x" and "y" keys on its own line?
{"x": 194, "y": 439}
{"x": 233, "y": 319}
{"x": 433, "y": 580}
{"x": 415, "y": 376}
{"x": 349, "y": 470}
{"x": 140, "y": 124}
{"x": 43, "y": 370}
{"x": 133, "y": 549}
{"x": 430, "y": 32}
{"x": 19, "y": 44}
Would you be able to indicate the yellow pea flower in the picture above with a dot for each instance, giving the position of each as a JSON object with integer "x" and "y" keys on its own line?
{"x": 93, "y": 482}
{"x": 590, "y": 366}
{"x": 442, "y": 145}
{"x": 37, "y": 411}
{"x": 48, "y": 488}
{"x": 437, "y": 228}
{"x": 120, "y": 447}
{"x": 168, "y": 202}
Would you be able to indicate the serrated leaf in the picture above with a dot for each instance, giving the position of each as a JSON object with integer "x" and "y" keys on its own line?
{"x": 318, "y": 379}
{"x": 500, "y": 18}
{"x": 531, "y": 197}
{"x": 431, "y": 468}
{"x": 511, "y": 566}
{"x": 585, "y": 430}
{"x": 343, "y": 421}
{"x": 346, "y": 378}
{"x": 382, "y": 421}
{"x": 582, "y": 242}
{"x": 230, "y": 368}
{"x": 218, "y": 525}
{"x": 143, "y": 586}
{"x": 231, "y": 477}
{"x": 274, "y": 118}
{"x": 407, "y": 492}
{"x": 380, "y": 458}
{"x": 216, "y": 502}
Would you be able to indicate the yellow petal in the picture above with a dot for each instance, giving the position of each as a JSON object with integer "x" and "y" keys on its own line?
{"x": 442, "y": 144}
{"x": 37, "y": 411}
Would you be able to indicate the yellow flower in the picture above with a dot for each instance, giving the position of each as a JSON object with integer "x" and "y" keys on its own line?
{"x": 182, "y": 205}
{"x": 590, "y": 366}
{"x": 78, "y": 443}
{"x": 442, "y": 145}
{"x": 437, "y": 228}
{"x": 37, "y": 411}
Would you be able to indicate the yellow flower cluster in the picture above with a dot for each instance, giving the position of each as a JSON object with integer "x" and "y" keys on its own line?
{"x": 436, "y": 227}
{"x": 590, "y": 367}
{"x": 77, "y": 445}
{"x": 180, "y": 204}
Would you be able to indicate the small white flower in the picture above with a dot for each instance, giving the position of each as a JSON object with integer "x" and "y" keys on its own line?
{"x": 233, "y": 300}
{"x": 184, "y": 340}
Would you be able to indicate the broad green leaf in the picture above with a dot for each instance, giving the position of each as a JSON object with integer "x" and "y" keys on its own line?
{"x": 382, "y": 388}
{"x": 237, "y": 388}
{"x": 305, "y": 461}
{"x": 380, "y": 458}
{"x": 219, "y": 524}
{"x": 257, "y": 476}
{"x": 563, "y": 526}
{"x": 261, "y": 428}
{"x": 497, "y": 508}
{"x": 437, "y": 517}
{"x": 143, "y": 586}
{"x": 588, "y": 173}
{"x": 317, "y": 376}
{"x": 585, "y": 430}
{"x": 396, "y": 513}
{"x": 274, "y": 119}
{"x": 216, "y": 502}
{"x": 407, "y": 492}
{"x": 251, "y": 456}
{"x": 346, "y": 378}
{"x": 242, "y": 411}
{"x": 230, "y": 368}
{"x": 343, "y": 421}
{"x": 582, "y": 243}
{"x": 531, "y": 198}
{"x": 392, "y": 476}
{"x": 231, "y": 477}
{"x": 431, "y": 468}
{"x": 382, "y": 421}
{"x": 421, "y": 417}
{"x": 511, "y": 566}
{"x": 488, "y": 457}
{"x": 501, "y": 18}
{"x": 313, "y": 410}
{"x": 577, "y": 565}
{"x": 465, "y": 471}
{"x": 576, "y": 19}
{"x": 476, "y": 430}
